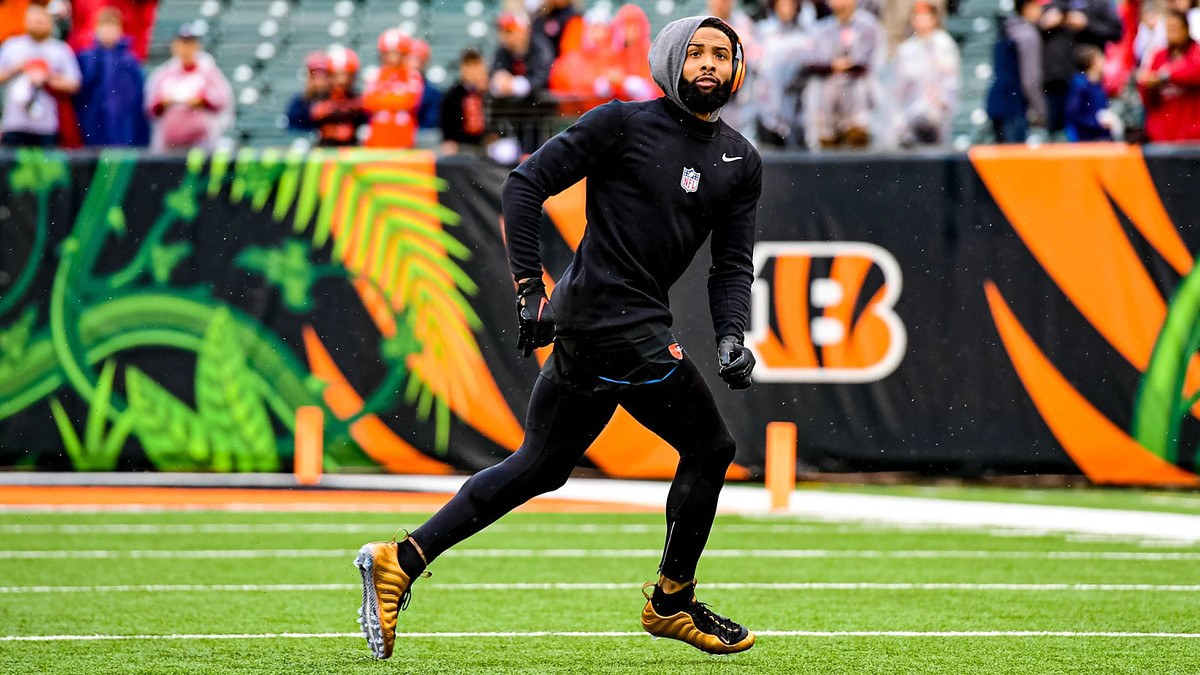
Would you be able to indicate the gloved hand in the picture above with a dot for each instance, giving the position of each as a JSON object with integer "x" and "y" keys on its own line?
{"x": 535, "y": 316}
{"x": 735, "y": 361}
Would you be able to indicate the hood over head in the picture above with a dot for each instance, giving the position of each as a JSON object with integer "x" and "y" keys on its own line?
{"x": 667, "y": 54}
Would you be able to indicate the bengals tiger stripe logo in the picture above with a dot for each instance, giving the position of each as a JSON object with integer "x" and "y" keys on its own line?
{"x": 825, "y": 312}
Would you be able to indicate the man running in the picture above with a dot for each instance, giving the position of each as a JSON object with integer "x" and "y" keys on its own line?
{"x": 662, "y": 175}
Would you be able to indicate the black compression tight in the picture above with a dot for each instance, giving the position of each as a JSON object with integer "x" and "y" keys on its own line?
{"x": 560, "y": 426}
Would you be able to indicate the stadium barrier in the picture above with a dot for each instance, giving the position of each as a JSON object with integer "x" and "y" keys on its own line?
{"x": 1010, "y": 311}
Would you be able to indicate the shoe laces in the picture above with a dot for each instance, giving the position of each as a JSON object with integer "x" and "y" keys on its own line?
{"x": 406, "y": 596}
{"x": 713, "y": 623}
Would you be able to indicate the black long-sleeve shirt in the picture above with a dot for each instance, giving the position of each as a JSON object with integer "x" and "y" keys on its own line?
{"x": 647, "y": 215}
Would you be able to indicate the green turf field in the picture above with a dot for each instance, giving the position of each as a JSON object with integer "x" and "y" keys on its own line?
{"x": 204, "y": 575}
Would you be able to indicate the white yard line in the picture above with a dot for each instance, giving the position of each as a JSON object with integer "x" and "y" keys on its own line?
{"x": 735, "y": 499}
{"x": 599, "y": 634}
{"x": 578, "y": 528}
{"x": 614, "y": 553}
{"x": 565, "y": 586}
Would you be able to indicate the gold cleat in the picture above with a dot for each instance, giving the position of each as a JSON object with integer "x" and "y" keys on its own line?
{"x": 696, "y": 625}
{"x": 385, "y": 594}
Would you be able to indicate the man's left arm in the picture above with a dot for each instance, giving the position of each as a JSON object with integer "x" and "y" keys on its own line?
{"x": 731, "y": 276}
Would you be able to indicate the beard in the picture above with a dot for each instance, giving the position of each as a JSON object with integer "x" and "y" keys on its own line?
{"x": 704, "y": 102}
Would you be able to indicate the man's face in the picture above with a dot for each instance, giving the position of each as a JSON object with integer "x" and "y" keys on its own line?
{"x": 109, "y": 33}
{"x": 786, "y": 10}
{"x": 706, "y": 83}
{"x": 842, "y": 7}
{"x": 342, "y": 80}
{"x": 1032, "y": 12}
{"x": 318, "y": 80}
{"x": 394, "y": 58}
{"x": 923, "y": 22}
{"x": 38, "y": 23}
{"x": 515, "y": 39}
{"x": 474, "y": 74}
{"x": 1177, "y": 31}
{"x": 185, "y": 49}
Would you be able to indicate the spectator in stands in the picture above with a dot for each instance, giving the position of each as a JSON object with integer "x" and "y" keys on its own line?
{"x": 36, "y": 67}
{"x": 109, "y": 103}
{"x": 1147, "y": 39}
{"x": 1066, "y": 24}
{"x": 787, "y": 48}
{"x": 316, "y": 86}
{"x": 926, "y": 80}
{"x": 629, "y": 74}
{"x": 897, "y": 16}
{"x": 610, "y": 59}
{"x": 12, "y": 18}
{"x": 1088, "y": 116}
{"x": 339, "y": 113}
{"x": 464, "y": 113}
{"x": 521, "y": 65}
{"x": 520, "y": 75}
{"x": 810, "y": 12}
{"x": 1152, "y": 34}
{"x": 741, "y": 112}
{"x": 431, "y": 96}
{"x": 848, "y": 47}
{"x": 1016, "y": 99}
{"x": 582, "y": 67}
{"x": 1170, "y": 85}
{"x": 137, "y": 17}
{"x": 555, "y": 19}
{"x": 188, "y": 98}
{"x": 393, "y": 96}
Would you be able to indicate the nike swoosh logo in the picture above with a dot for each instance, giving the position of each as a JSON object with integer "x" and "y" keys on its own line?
{"x": 729, "y": 159}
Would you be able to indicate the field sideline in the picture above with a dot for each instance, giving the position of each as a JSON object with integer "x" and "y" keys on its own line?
{"x": 241, "y": 591}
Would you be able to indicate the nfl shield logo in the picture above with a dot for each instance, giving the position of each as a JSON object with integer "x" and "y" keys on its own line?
{"x": 690, "y": 180}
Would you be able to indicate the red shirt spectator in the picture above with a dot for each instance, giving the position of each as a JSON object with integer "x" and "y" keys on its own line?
{"x": 393, "y": 96}
{"x": 1170, "y": 86}
{"x": 137, "y": 17}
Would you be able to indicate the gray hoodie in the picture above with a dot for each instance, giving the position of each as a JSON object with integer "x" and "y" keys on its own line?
{"x": 667, "y": 54}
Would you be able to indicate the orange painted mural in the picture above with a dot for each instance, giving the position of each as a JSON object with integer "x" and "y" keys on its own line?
{"x": 1062, "y": 202}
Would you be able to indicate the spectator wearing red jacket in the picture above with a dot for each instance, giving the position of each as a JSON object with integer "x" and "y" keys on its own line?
{"x": 137, "y": 17}
{"x": 1170, "y": 85}
{"x": 394, "y": 95}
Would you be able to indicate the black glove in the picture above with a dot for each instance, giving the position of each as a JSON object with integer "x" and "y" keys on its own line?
{"x": 535, "y": 316}
{"x": 735, "y": 361}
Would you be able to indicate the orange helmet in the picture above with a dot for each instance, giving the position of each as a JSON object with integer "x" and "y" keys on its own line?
{"x": 395, "y": 40}
{"x": 342, "y": 60}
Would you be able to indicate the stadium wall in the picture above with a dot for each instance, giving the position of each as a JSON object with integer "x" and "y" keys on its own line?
{"x": 1011, "y": 311}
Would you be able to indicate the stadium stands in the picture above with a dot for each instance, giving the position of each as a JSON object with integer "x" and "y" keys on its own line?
{"x": 260, "y": 45}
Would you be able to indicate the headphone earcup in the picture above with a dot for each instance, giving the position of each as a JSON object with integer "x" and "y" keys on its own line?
{"x": 739, "y": 74}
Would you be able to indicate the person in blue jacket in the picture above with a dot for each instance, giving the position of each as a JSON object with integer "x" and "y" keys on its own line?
{"x": 109, "y": 102}
{"x": 1016, "y": 99}
{"x": 1087, "y": 115}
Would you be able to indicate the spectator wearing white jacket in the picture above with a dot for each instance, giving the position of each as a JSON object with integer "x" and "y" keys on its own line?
{"x": 926, "y": 80}
{"x": 188, "y": 98}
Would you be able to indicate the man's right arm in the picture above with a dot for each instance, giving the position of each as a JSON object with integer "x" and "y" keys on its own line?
{"x": 8, "y": 63}
{"x": 563, "y": 161}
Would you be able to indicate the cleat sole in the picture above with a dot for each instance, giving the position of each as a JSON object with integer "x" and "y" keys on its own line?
{"x": 368, "y": 613}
